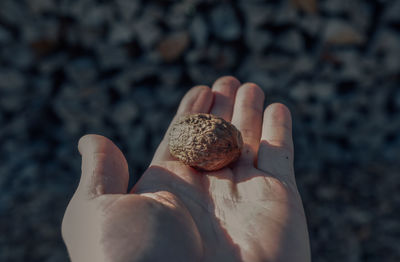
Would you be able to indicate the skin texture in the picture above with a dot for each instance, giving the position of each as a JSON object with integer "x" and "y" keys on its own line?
{"x": 248, "y": 211}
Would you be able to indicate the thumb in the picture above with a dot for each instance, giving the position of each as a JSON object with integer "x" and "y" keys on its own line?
{"x": 104, "y": 167}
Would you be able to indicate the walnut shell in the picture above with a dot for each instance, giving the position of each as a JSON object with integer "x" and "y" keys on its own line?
{"x": 204, "y": 141}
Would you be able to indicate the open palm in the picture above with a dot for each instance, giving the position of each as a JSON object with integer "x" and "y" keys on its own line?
{"x": 249, "y": 211}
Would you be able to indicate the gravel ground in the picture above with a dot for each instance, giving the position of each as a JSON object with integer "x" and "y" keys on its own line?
{"x": 119, "y": 68}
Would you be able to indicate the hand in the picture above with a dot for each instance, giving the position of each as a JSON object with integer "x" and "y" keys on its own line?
{"x": 250, "y": 211}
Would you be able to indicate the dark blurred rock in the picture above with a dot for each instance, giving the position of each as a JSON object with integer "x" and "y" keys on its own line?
{"x": 361, "y": 15}
{"x": 79, "y": 107}
{"x": 81, "y": 71}
{"x": 5, "y": 35}
{"x": 337, "y": 7}
{"x": 12, "y": 90}
{"x": 285, "y": 14}
{"x": 147, "y": 31}
{"x": 196, "y": 55}
{"x": 308, "y": 6}
{"x": 144, "y": 97}
{"x": 255, "y": 65}
{"x": 387, "y": 46}
{"x": 111, "y": 56}
{"x": 304, "y": 65}
{"x": 311, "y": 25}
{"x": 199, "y": 31}
{"x": 256, "y": 14}
{"x": 178, "y": 13}
{"x": 40, "y": 31}
{"x": 124, "y": 112}
{"x": 351, "y": 66}
{"x": 142, "y": 70}
{"x": 42, "y": 88}
{"x": 127, "y": 9}
{"x": 41, "y": 6}
{"x": 11, "y": 12}
{"x": 258, "y": 40}
{"x": 95, "y": 16}
{"x": 170, "y": 76}
{"x": 339, "y": 32}
{"x": 135, "y": 137}
{"x": 17, "y": 55}
{"x": 202, "y": 74}
{"x": 50, "y": 64}
{"x": 169, "y": 96}
{"x": 290, "y": 41}
{"x": 300, "y": 91}
{"x": 173, "y": 46}
{"x": 226, "y": 59}
{"x": 323, "y": 91}
{"x": 391, "y": 12}
{"x": 225, "y": 23}
{"x": 121, "y": 33}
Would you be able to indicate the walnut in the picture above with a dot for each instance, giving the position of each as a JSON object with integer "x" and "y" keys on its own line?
{"x": 205, "y": 142}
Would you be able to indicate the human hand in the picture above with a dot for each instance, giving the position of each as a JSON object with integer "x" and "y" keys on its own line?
{"x": 249, "y": 211}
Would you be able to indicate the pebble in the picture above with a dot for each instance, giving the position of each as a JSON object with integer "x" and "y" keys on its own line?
{"x": 124, "y": 112}
{"x": 5, "y": 35}
{"x": 311, "y": 25}
{"x": 290, "y": 41}
{"x": 308, "y": 6}
{"x": 339, "y": 32}
{"x": 11, "y": 12}
{"x": 177, "y": 16}
{"x": 121, "y": 33}
{"x": 147, "y": 32}
{"x": 304, "y": 65}
{"x": 169, "y": 96}
{"x": 173, "y": 46}
{"x": 256, "y": 14}
{"x": 391, "y": 12}
{"x": 111, "y": 56}
{"x": 95, "y": 16}
{"x": 81, "y": 71}
{"x": 11, "y": 81}
{"x": 300, "y": 91}
{"x": 144, "y": 97}
{"x": 19, "y": 56}
{"x": 199, "y": 31}
{"x": 170, "y": 77}
{"x": 41, "y": 6}
{"x": 323, "y": 91}
{"x": 127, "y": 9}
{"x": 202, "y": 74}
{"x": 387, "y": 45}
{"x": 258, "y": 40}
{"x": 225, "y": 24}
{"x": 285, "y": 14}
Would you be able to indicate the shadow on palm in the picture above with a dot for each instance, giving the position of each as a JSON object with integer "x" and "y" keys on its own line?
{"x": 236, "y": 209}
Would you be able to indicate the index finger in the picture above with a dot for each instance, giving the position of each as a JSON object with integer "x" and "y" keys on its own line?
{"x": 247, "y": 117}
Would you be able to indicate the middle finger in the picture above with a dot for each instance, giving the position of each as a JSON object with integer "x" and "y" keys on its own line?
{"x": 247, "y": 117}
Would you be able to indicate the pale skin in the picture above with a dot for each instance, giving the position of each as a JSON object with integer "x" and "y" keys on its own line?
{"x": 248, "y": 211}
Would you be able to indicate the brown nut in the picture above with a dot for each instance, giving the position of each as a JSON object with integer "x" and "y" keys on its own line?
{"x": 205, "y": 142}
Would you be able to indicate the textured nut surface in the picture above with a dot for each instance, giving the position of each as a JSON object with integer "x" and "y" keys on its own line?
{"x": 204, "y": 141}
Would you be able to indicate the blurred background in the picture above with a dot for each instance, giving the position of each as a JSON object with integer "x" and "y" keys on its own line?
{"x": 120, "y": 67}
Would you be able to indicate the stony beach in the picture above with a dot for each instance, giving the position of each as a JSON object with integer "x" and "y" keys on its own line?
{"x": 119, "y": 68}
